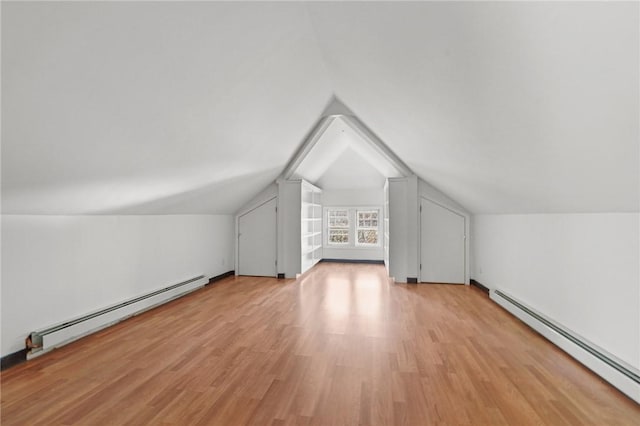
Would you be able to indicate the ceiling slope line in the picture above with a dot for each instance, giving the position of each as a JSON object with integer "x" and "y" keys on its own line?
{"x": 368, "y": 135}
{"x": 309, "y": 142}
{"x": 338, "y": 110}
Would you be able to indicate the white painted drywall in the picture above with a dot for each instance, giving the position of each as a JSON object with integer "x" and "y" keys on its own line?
{"x": 340, "y": 145}
{"x": 351, "y": 170}
{"x": 508, "y": 107}
{"x": 353, "y": 253}
{"x": 192, "y": 107}
{"x": 58, "y": 267}
{"x": 364, "y": 197}
{"x": 398, "y": 229}
{"x": 581, "y": 270}
{"x": 413, "y": 228}
{"x": 289, "y": 227}
{"x": 353, "y": 197}
{"x": 143, "y": 108}
{"x": 263, "y": 196}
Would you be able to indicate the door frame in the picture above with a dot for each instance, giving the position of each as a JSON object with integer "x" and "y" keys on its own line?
{"x": 237, "y": 233}
{"x": 467, "y": 225}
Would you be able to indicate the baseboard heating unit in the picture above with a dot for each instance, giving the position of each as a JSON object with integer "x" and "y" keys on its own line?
{"x": 40, "y": 342}
{"x": 621, "y": 375}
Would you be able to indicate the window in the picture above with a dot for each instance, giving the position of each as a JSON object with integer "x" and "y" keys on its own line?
{"x": 352, "y": 227}
{"x": 367, "y": 227}
{"x": 338, "y": 226}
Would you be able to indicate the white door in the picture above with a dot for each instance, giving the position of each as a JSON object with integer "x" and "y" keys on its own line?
{"x": 257, "y": 241}
{"x": 442, "y": 237}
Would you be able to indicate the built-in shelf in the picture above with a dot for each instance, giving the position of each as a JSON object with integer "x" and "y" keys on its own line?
{"x": 385, "y": 242}
{"x": 311, "y": 225}
{"x": 312, "y": 250}
{"x": 313, "y": 234}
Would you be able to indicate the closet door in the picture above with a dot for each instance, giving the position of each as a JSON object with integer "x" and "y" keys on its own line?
{"x": 442, "y": 237}
{"x": 257, "y": 241}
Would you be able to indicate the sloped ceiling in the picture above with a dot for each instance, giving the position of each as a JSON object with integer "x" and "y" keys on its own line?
{"x": 508, "y": 107}
{"x": 136, "y": 107}
{"x": 342, "y": 158}
{"x": 195, "y": 107}
{"x": 351, "y": 171}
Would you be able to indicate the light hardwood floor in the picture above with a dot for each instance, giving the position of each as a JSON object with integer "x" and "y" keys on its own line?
{"x": 342, "y": 346}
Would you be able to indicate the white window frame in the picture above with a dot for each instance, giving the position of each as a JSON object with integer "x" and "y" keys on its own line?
{"x": 348, "y": 227}
{"x": 366, "y": 228}
{"x": 353, "y": 227}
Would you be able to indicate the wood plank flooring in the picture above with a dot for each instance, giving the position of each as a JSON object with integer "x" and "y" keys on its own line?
{"x": 341, "y": 346}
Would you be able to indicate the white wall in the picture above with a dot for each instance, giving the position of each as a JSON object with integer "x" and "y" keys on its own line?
{"x": 263, "y": 196}
{"x": 399, "y": 228}
{"x": 57, "y": 267}
{"x": 353, "y": 253}
{"x": 289, "y": 227}
{"x": 353, "y": 198}
{"x": 581, "y": 270}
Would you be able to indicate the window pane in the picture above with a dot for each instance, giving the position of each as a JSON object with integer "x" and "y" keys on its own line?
{"x": 338, "y": 236}
{"x": 367, "y": 219}
{"x": 340, "y": 221}
{"x": 367, "y": 236}
{"x": 339, "y": 218}
{"x": 338, "y": 226}
{"x": 367, "y": 227}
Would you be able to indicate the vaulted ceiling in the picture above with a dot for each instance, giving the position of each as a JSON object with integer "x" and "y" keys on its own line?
{"x": 342, "y": 157}
{"x": 508, "y": 107}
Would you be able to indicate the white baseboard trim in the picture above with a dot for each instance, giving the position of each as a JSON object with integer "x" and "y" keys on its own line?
{"x": 619, "y": 374}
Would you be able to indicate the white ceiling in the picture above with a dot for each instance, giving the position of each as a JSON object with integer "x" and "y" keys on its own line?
{"x": 342, "y": 158}
{"x": 351, "y": 171}
{"x": 509, "y": 107}
{"x": 130, "y": 106}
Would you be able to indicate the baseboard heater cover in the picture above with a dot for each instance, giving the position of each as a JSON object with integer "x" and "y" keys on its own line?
{"x": 619, "y": 374}
{"x": 40, "y": 342}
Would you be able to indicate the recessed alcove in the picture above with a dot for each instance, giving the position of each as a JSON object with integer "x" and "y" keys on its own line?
{"x": 346, "y": 196}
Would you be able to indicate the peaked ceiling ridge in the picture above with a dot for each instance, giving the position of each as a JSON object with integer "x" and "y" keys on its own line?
{"x": 337, "y": 110}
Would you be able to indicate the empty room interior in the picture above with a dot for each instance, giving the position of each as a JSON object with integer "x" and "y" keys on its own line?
{"x": 320, "y": 213}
